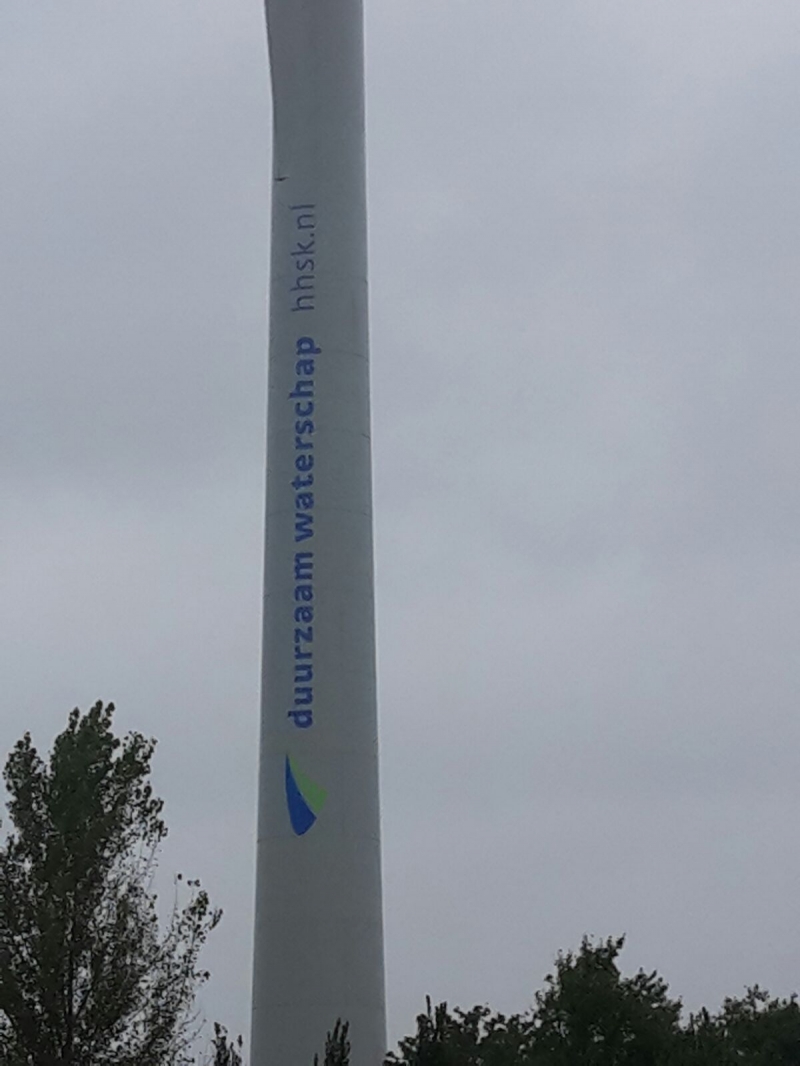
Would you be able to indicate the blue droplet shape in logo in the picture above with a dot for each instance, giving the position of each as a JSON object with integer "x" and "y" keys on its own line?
{"x": 303, "y": 798}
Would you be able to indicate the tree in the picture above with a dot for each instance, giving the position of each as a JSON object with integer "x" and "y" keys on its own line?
{"x": 589, "y": 1013}
{"x": 86, "y": 974}
{"x": 337, "y": 1046}
{"x": 756, "y": 1030}
{"x": 466, "y": 1038}
{"x": 437, "y": 1041}
{"x": 704, "y": 1042}
{"x": 226, "y": 1052}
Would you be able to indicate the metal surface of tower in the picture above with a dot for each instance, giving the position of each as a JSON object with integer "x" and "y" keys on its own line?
{"x": 319, "y": 930}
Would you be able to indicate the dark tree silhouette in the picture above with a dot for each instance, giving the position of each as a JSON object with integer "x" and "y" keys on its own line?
{"x": 87, "y": 976}
{"x": 337, "y": 1047}
{"x": 226, "y": 1052}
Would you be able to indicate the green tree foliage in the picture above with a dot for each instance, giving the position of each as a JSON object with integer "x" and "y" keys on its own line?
{"x": 439, "y": 1041}
{"x": 87, "y": 976}
{"x": 226, "y": 1052}
{"x": 587, "y": 1013}
{"x": 764, "y": 1031}
{"x": 465, "y": 1038}
{"x": 590, "y": 1014}
{"x": 755, "y": 1030}
{"x": 337, "y": 1047}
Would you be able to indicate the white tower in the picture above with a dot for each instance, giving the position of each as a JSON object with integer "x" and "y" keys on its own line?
{"x": 319, "y": 935}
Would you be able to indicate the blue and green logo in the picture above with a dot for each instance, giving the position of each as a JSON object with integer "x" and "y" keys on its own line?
{"x": 304, "y": 798}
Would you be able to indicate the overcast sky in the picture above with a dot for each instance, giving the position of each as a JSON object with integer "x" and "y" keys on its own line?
{"x": 585, "y": 253}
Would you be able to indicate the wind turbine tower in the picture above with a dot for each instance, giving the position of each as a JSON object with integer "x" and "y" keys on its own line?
{"x": 319, "y": 927}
